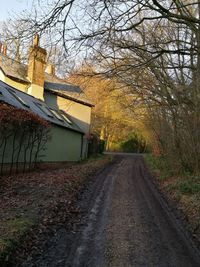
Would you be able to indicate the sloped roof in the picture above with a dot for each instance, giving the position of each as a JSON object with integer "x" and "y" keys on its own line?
{"x": 58, "y": 86}
{"x": 13, "y": 69}
{"x": 18, "y": 71}
{"x": 22, "y": 100}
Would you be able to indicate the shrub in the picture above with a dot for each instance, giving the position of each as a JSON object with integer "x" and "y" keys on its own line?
{"x": 22, "y": 134}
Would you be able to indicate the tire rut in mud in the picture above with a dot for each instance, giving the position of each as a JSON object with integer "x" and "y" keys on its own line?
{"x": 124, "y": 222}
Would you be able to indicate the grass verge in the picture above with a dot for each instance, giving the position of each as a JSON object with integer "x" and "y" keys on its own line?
{"x": 181, "y": 189}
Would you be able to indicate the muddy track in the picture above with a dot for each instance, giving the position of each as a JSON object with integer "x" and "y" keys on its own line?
{"x": 125, "y": 222}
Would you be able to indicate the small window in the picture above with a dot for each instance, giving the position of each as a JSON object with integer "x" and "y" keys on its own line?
{"x": 45, "y": 110}
{"x": 57, "y": 115}
{"x": 66, "y": 118}
{"x": 22, "y": 101}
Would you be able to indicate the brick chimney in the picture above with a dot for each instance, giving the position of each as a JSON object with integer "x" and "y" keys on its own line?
{"x": 36, "y": 69}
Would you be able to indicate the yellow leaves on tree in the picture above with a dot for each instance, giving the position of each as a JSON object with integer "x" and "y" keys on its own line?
{"x": 112, "y": 117}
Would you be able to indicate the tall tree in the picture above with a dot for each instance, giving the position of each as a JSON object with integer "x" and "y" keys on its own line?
{"x": 112, "y": 117}
{"x": 150, "y": 47}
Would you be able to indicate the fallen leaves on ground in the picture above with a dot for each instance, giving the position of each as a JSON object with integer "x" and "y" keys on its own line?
{"x": 32, "y": 203}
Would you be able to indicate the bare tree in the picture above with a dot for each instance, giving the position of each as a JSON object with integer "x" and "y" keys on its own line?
{"x": 150, "y": 47}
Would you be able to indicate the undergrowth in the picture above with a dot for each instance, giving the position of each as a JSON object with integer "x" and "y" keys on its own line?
{"x": 158, "y": 166}
{"x": 182, "y": 187}
{"x": 185, "y": 182}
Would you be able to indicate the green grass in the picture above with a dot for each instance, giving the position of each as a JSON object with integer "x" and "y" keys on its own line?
{"x": 4, "y": 244}
{"x": 187, "y": 184}
{"x": 156, "y": 163}
{"x": 185, "y": 187}
{"x": 15, "y": 229}
{"x": 18, "y": 225}
{"x": 188, "y": 187}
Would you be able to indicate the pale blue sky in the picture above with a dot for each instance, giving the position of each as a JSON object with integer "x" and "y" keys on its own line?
{"x": 13, "y": 7}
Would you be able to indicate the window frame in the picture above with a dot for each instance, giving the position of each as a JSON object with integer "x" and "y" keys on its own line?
{"x": 44, "y": 109}
{"x": 57, "y": 114}
{"x": 64, "y": 115}
{"x": 17, "y": 97}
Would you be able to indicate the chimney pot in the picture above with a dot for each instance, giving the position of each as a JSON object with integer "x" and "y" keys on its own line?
{"x": 17, "y": 54}
{"x": 36, "y": 40}
{"x": 50, "y": 69}
{"x": 5, "y": 49}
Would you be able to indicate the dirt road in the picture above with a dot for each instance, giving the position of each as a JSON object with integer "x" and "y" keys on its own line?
{"x": 125, "y": 223}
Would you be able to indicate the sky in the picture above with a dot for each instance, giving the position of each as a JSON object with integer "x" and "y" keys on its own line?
{"x": 10, "y": 7}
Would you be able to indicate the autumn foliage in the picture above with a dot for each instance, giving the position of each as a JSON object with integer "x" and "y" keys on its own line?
{"x": 23, "y": 135}
{"x": 113, "y": 120}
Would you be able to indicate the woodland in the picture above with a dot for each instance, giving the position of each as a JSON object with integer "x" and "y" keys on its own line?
{"x": 138, "y": 60}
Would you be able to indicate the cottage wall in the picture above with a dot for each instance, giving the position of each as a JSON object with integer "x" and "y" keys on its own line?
{"x": 81, "y": 113}
{"x": 64, "y": 145}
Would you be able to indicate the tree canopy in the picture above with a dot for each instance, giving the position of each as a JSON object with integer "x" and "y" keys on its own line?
{"x": 150, "y": 48}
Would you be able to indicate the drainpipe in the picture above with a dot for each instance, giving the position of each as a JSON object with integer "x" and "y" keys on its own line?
{"x": 81, "y": 146}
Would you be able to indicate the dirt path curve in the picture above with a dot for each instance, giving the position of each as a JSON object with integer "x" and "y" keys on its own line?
{"x": 128, "y": 225}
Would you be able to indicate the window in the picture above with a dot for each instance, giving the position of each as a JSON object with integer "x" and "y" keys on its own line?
{"x": 65, "y": 118}
{"x": 22, "y": 101}
{"x": 44, "y": 109}
{"x": 56, "y": 114}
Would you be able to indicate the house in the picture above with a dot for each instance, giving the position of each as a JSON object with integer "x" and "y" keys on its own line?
{"x": 35, "y": 87}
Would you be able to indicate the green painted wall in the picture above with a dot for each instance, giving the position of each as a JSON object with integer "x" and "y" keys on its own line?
{"x": 64, "y": 145}
{"x": 81, "y": 114}
{"x": 8, "y": 150}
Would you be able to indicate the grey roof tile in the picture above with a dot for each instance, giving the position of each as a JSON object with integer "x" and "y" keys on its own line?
{"x": 22, "y": 100}
{"x": 18, "y": 71}
{"x": 69, "y": 91}
{"x": 13, "y": 69}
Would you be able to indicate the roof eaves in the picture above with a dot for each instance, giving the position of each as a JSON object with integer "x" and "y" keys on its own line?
{"x": 3, "y": 71}
{"x": 26, "y": 81}
{"x": 70, "y": 129}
